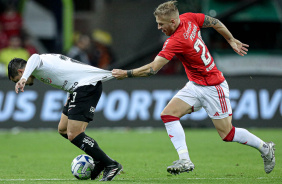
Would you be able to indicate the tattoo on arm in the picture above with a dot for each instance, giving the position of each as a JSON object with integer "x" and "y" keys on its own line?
{"x": 152, "y": 72}
{"x": 209, "y": 21}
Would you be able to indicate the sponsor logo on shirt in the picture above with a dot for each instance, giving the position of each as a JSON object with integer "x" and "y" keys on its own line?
{"x": 193, "y": 34}
{"x": 73, "y": 87}
{"x": 187, "y": 32}
{"x": 64, "y": 85}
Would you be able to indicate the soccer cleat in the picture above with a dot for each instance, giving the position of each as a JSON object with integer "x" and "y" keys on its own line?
{"x": 269, "y": 158}
{"x": 97, "y": 171}
{"x": 111, "y": 171}
{"x": 180, "y": 166}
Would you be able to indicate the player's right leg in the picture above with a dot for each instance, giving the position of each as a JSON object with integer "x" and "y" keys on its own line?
{"x": 63, "y": 124}
{"x": 103, "y": 162}
{"x": 175, "y": 109}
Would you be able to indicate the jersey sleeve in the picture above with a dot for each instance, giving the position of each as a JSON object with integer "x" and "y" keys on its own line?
{"x": 170, "y": 48}
{"x": 32, "y": 63}
{"x": 199, "y": 18}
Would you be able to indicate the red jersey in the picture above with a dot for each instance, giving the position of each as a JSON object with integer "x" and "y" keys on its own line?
{"x": 187, "y": 45}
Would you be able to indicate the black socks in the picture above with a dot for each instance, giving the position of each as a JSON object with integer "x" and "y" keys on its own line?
{"x": 90, "y": 147}
{"x": 65, "y": 135}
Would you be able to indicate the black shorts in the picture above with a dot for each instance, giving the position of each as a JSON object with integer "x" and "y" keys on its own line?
{"x": 82, "y": 103}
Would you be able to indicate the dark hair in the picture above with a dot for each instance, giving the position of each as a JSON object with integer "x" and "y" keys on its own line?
{"x": 14, "y": 65}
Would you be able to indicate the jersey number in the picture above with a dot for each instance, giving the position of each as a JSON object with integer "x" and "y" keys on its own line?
{"x": 197, "y": 45}
{"x": 73, "y": 97}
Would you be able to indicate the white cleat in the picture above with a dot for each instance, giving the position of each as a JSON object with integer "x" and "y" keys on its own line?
{"x": 269, "y": 158}
{"x": 180, "y": 166}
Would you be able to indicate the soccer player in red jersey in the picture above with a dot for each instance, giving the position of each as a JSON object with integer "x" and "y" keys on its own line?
{"x": 206, "y": 88}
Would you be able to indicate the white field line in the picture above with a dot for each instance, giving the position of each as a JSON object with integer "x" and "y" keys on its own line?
{"x": 38, "y": 179}
{"x": 57, "y": 179}
{"x": 260, "y": 178}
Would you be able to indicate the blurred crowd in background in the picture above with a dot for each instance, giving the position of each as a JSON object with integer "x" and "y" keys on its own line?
{"x": 123, "y": 33}
{"x": 16, "y": 41}
{"x": 93, "y": 50}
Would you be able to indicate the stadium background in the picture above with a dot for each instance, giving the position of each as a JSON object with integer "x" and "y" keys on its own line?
{"x": 128, "y": 32}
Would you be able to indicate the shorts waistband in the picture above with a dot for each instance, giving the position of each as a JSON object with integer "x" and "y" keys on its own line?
{"x": 204, "y": 85}
{"x": 197, "y": 84}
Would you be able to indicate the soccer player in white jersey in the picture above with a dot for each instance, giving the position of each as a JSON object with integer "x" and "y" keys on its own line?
{"x": 84, "y": 85}
{"x": 206, "y": 88}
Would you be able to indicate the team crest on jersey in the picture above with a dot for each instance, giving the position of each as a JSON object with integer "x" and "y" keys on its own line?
{"x": 47, "y": 80}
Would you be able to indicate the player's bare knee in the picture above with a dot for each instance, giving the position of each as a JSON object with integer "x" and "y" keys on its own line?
{"x": 166, "y": 112}
{"x": 174, "y": 112}
{"x": 62, "y": 130}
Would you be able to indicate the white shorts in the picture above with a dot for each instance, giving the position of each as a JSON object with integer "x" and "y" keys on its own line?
{"x": 214, "y": 99}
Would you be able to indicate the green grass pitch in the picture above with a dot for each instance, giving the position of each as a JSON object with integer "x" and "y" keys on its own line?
{"x": 45, "y": 157}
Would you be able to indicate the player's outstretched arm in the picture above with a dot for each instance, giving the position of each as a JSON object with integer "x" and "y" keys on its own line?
{"x": 144, "y": 71}
{"x": 237, "y": 46}
{"x": 20, "y": 85}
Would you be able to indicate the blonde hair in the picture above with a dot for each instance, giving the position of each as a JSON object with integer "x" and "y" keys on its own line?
{"x": 167, "y": 9}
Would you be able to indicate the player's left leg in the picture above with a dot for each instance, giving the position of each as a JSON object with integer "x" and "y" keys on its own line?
{"x": 217, "y": 104}
{"x": 230, "y": 133}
